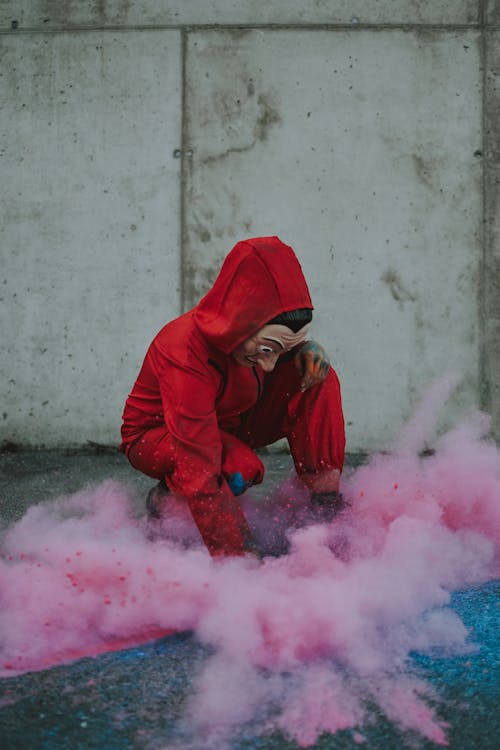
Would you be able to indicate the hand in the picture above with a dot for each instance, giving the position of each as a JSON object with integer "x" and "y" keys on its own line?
{"x": 313, "y": 364}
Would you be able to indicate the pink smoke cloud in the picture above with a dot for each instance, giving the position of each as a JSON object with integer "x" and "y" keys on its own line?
{"x": 317, "y": 634}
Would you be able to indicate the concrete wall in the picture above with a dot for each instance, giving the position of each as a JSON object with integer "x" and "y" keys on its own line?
{"x": 140, "y": 140}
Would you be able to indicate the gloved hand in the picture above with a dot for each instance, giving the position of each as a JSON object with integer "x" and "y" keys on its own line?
{"x": 313, "y": 364}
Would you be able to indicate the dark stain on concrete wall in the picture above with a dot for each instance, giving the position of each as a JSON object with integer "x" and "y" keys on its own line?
{"x": 398, "y": 290}
{"x": 425, "y": 170}
{"x": 267, "y": 118}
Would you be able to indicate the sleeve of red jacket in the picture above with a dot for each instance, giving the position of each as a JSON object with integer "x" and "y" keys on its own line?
{"x": 188, "y": 394}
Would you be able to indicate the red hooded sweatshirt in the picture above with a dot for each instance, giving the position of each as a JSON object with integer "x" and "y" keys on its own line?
{"x": 190, "y": 383}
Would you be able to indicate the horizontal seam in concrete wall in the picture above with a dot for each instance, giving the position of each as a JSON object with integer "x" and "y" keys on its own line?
{"x": 260, "y": 27}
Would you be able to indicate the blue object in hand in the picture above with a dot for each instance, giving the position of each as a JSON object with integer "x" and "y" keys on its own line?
{"x": 237, "y": 484}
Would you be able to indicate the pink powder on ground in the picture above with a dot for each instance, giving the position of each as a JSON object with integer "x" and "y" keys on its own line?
{"x": 319, "y": 633}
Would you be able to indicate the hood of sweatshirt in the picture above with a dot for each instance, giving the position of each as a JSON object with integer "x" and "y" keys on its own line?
{"x": 259, "y": 279}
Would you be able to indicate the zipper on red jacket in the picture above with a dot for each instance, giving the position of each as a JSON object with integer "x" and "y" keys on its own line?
{"x": 259, "y": 384}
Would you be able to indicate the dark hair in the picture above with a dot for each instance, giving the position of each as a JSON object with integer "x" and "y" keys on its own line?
{"x": 294, "y": 319}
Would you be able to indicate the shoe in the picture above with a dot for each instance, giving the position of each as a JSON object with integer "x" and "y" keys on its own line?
{"x": 155, "y": 498}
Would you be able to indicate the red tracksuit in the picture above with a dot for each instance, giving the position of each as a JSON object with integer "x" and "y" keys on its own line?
{"x": 194, "y": 414}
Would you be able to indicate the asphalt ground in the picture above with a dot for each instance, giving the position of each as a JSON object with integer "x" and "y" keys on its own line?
{"x": 134, "y": 698}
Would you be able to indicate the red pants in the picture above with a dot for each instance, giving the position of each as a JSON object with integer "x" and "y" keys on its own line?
{"x": 311, "y": 421}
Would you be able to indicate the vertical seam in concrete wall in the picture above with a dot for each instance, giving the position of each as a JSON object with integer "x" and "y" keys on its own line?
{"x": 183, "y": 145}
{"x": 481, "y": 13}
{"x": 484, "y": 387}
